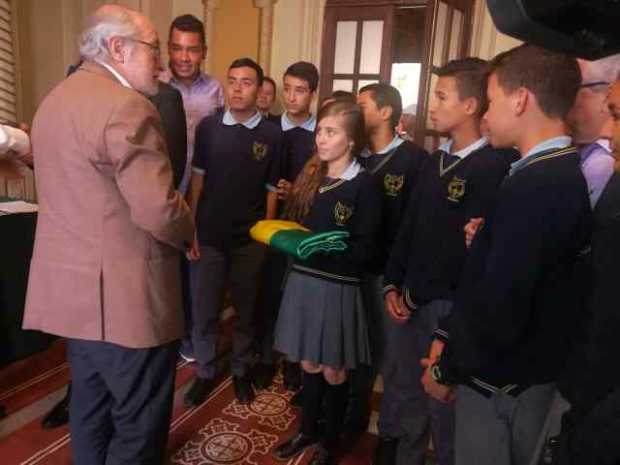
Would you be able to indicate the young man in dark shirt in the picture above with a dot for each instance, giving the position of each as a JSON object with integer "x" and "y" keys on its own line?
{"x": 235, "y": 169}
{"x": 458, "y": 182}
{"x": 507, "y": 337}
{"x": 394, "y": 164}
{"x": 300, "y": 82}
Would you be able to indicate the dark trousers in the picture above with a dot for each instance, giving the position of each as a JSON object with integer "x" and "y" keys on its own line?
{"x": 209, "y": 275}
{"x": 121, "y": 402}
{"x": 362, "y": 379}
{"x": 272, "y": 278}
{"x": 593, "y": 436}
{"x": 186, "y": 344}
{"x": 501, "y": 429}
{"x": 407, "y": 412}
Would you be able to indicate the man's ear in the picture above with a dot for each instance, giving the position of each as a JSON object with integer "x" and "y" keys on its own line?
{"x": 386, "y": 112}
{"x": 116, "y": 46}
{"x": 471, "y": 105}
{"x": 520, "y": 99}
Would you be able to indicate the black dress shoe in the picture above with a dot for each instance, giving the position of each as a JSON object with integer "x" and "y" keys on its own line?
{"x": 385, "y": 452}
{"x": 243, "y": 389}
{"x": 298, "y": 399}
{"x": 198, "y": 393}
{"x": 58, "y": 416}
{"x": 294, "y": 446}
{"x": 322, "y": 456}
{"x": 292, "y": 376}
{"x": 263, "y": 375}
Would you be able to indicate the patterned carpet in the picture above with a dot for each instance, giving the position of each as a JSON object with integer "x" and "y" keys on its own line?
{"x": 218, "y": 432}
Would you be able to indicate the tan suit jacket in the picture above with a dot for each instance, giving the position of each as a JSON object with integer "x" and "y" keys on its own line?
{"x": 106, "y": 261}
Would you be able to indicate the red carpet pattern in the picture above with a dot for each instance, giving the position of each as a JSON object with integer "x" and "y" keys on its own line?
{"x": 226, "y": 432}
{"x": 219, "y": 432}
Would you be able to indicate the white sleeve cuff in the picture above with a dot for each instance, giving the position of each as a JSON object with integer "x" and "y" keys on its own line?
{"x": 14, "y": 139}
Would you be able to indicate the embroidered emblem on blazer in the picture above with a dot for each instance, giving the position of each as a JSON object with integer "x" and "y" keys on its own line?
{"x": 259, "y": 151}
{"x": 393, "y": 184}
{"x": 456, "y": 189}
{"x": 342, "y": 213}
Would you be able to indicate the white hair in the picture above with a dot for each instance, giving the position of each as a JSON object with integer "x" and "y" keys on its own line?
{"x": 106, "y": 22}
{"x": 603, "y": 70}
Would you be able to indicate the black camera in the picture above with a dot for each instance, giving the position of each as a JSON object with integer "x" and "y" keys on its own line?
{"x": 584, "y": 28}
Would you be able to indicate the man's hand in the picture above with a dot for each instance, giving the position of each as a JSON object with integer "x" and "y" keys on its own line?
{"x": 471, "y": 229}
{"x": 395, "y": 307}
{"x": 193, "y": 253}
{"x": 437, "y": 391}
{"x": 283, "y": 189}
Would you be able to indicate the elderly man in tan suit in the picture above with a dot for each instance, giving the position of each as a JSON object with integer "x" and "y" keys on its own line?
{"x": 105, "y": 270}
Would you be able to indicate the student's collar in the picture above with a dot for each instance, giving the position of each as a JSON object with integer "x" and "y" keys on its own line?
{"x": 352, "y": 170}
{"x": 604, "y": 144}
{"x": 396, "y": 142}
{"x": 308, "y": 125}
{"x": 560, "y": 142}
{"x": 598, "y": 145}
{"x": 447, "y": 147}
{"x": 251, "y": 123}
{"x": 116, "y": 74}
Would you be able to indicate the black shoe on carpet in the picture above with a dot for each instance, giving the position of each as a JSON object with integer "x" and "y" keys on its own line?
{"x": 263, "y": 375}
{"x": 198, "y": 392}
{"x": 58, "y": 416}
{"x": 243, "y": 389}
{"x": 294, "y": 446}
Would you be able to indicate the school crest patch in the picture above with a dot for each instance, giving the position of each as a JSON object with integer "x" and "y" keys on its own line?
{"x": 342, "y": 213}
{"x": 456, "y": 189}
{"x": 259, "y": 151}
{"x": 393, "y": 184}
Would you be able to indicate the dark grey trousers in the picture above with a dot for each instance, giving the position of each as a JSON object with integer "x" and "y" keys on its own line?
{"x": 209, "y": 275}
{"x": 121, "y": 402}
{"x": 362, "y": 379}
{"x": 407, "y": 412}
{"x": 552, "y": 426}
{"x": 502, "y": 429}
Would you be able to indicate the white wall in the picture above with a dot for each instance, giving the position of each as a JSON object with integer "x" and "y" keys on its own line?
{"x": 487, "y": 41}
{"x": 192, "y": 7}
{"x": 297, "y": 34}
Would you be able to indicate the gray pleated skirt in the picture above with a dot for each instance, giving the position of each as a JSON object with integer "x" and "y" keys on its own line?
{"x": 322, "y": 322}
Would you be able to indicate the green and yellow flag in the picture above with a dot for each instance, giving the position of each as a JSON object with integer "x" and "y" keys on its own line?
{"x": 294, "y": 239}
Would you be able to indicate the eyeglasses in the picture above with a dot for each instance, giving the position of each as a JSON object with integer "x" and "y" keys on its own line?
{"x": 154, "y": 47}
{"x": 587, "y": 85}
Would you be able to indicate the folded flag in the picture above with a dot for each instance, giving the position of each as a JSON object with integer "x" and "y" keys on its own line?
{"x": 294, "y": 239}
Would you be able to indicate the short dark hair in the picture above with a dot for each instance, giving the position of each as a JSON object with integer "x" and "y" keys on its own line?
{"x": 386, "y": 95}
{"x": 249, "y": 63}
{"x": 343, "y": 95}
{"x": 554, "y": 78}
{"x": 471, "y": 76}
{"x": 188, "y": 23}
{"x": 270, "y": 81}
{"x": 306, "y": 71}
